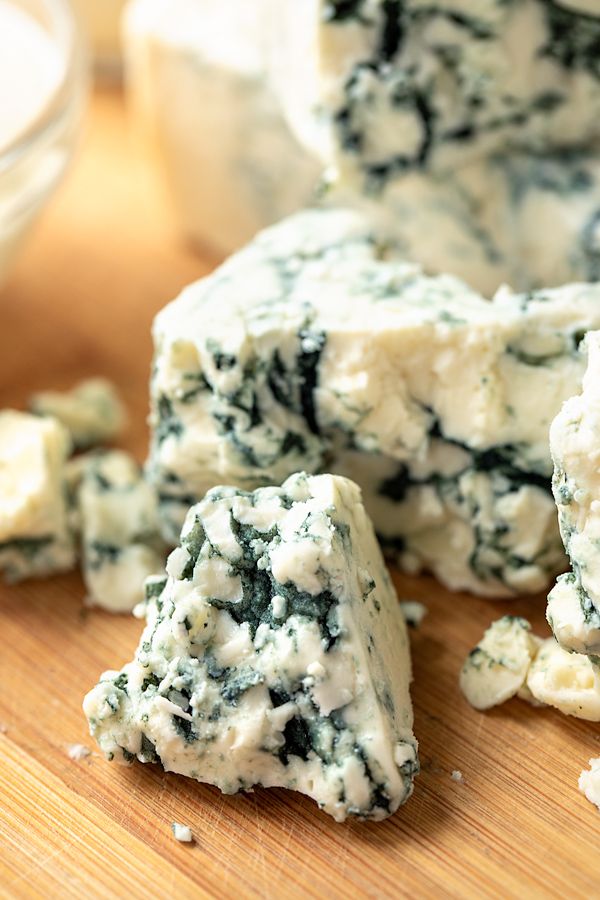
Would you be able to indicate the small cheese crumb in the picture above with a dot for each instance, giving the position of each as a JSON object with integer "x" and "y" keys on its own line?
{"x": 413, "y": 612}
{"x": 457, "y": 776}
{"x": 182, "y": 833}
{"x": 589, "y": 782}
{"x": 77, "y": 752}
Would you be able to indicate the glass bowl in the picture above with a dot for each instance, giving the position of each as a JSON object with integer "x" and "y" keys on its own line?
{"x": 33, "y": 159}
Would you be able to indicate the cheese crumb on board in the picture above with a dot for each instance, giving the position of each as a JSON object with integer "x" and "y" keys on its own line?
{"x": 35, "y": 534}
{"x": 92, "y": 411}
{"x": 496, "y": 669}
{"x": 78, "y": 752}
{"x": 589, "y": 782}
{"x": 510, "y": 661}
{"x": 234, "y": 688}
{"x": 182, "y": 833}
{"x": 413, "y": 611}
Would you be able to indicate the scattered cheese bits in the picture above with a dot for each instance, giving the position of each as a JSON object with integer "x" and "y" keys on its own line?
{"x": 413, "y": 612}
{"x": 589, "y": 782}
{"x": 77, "y": 752}
{"x": 496, "y": 669}
{"x": 567, "y": 681}
{"x": 92, "y": 411}
{"x": 182, "y": 833}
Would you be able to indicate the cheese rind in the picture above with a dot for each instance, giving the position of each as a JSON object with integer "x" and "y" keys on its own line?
{"x": 92, "y": 411}
{"x": 496, "y": 669}
{"x": 118, "y": 518}
{"x": 311, "y": 349}
{"x": 574, "y": 603}
{"x": 275, "y": 655}
{"x": 35, "y": 537}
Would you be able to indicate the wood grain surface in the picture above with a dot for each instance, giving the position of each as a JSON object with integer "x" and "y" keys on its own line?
{"x": 80, "y": 301}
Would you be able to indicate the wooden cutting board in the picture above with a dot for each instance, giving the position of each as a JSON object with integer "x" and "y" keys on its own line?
{"x": 105, "y": 258}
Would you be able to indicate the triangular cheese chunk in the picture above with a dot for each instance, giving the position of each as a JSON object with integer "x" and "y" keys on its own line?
{"x": 275, "y": 655}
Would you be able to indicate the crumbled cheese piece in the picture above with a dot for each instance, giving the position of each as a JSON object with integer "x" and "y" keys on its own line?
{"x": 225, "y": 692}
{"x": 182, "y": 833}
{"x": 496, "y": 669}
{"x": 35, "y": 536}
{"x": 119, "y": 529}
{"x": 457, "y": 776}
{"x": 589, "y": 782}
{"x": 77, "y": 752}
{"x": 413, "y": 612}
{"x": 567, "y": 681}
{"x": 92, "y": 411}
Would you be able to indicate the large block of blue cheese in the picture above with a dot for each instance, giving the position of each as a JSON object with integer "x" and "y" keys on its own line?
{"x": 392, "y": 86}
{"x": 574, "y": 603}
{"x": 35, "y": 535}
{"x": 276, "y": 654}
{"x": 309, "y": 350}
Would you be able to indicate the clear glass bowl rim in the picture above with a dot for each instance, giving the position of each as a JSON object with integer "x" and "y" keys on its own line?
{"x": 65, "y": 27}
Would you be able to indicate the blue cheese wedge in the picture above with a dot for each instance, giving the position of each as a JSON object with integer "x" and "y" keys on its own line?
{"x": 118, "y": 519}
{"x": 92, "y": 411}
{"x": 196, "y": 69}
{"x": 574, "y": 603}
{"x": 35, "y": 535}
{"x": 496, "y": 669}
{"x": 276, "y": 655}
{"x": 311, "y": 349}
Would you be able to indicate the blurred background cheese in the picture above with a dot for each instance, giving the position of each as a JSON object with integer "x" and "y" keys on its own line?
{"x": 197, "y": 72}
{"x": 100, "y": 20}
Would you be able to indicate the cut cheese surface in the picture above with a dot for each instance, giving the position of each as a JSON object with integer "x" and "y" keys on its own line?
{"x": 275, "y": 653}
{"x": 314, "y": 349}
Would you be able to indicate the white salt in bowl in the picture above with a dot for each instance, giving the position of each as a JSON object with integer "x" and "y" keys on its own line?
{"x": 43, "y": 85}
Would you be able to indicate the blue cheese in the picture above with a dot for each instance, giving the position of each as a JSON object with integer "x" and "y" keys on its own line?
{"x": 312, "y": 349}
{"x": 574, "y": 603}
{"x": 567, "y": 681}
{"x": 589, "y": 782}
{"x": 197, "y": 69}
{"x": 118, "y": 519}
{"x": 276, "y": 654}
{"x": 92, "y": 411}
{"x": 496, "y": 669}
{"x": 510, "y": 661}
{"x": 404, "y": 86}
{"x": 459, "y": 127}
{"x": 35, "y": 535}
